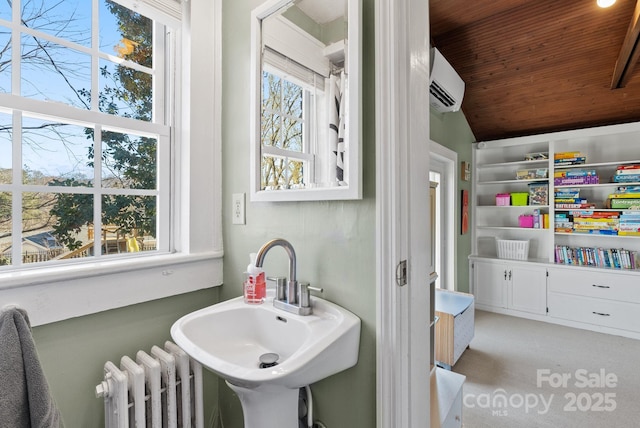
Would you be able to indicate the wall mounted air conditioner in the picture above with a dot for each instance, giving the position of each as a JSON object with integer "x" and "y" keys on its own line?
{"x": 446, "y": 87}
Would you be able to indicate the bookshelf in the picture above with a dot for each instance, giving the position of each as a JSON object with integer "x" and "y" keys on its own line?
{"x": 584, "y": 236}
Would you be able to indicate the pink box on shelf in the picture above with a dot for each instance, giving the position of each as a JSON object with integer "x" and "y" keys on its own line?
{"x": 503, "y": 199}
{"x": 525, "y": 220}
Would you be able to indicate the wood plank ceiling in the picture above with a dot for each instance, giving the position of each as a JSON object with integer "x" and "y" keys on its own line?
{"x": 536, "y": 66}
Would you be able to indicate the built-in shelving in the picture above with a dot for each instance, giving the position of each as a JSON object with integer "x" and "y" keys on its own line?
{"x": 533, "y": 180}
{"x": 601, "y": 185}
{"x": 497, "y": 162}
{"x": 599, "y": 164}
{"x": 517, "y": 163}
{"x": 583, "y": 291}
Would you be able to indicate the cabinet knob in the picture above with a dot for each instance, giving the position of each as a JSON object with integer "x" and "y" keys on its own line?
{"x": 601, "y": 314}
{"x": 600, "y": 286}
{"x": 509, "y": 274}
{"x": 505, "y": 274}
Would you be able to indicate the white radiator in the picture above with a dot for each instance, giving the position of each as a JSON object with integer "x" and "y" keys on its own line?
{"x": 161, "y": 390}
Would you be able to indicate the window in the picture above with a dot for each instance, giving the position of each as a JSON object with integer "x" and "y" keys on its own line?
{"x": 188, "y": 180}
{"x": 85, "y": 131}
{"x": 286, "y": 129}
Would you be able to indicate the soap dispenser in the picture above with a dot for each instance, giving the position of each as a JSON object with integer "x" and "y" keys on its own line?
{"x": 255, "y": 285}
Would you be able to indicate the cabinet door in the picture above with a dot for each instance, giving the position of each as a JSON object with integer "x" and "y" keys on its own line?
{"x": 489, "y": 282}
{"x": 528, "y": 289}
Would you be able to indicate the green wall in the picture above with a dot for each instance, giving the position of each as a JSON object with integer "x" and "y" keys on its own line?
{"x": 73, "y": 352}
{"x": 452, "y": 131}
{"x": 334, "y": 241}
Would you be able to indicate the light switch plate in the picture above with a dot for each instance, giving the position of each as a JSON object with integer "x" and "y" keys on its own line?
{"x": 238, "y": 211}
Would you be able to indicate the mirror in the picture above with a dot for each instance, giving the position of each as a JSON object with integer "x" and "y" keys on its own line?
{"x": 306, "y": 100}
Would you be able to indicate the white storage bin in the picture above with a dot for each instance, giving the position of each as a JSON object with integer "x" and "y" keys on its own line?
{"x": 512, "y": 249}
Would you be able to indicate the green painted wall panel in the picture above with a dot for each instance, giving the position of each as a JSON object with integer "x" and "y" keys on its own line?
{"x": 334, "y": 241}
{"x": 73, "y": 352}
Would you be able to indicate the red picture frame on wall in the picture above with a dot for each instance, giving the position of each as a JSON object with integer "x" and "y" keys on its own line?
{"x": 464, "y": 218}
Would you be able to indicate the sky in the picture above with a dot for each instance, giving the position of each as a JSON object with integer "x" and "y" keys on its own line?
{"x": 45, "y": 152}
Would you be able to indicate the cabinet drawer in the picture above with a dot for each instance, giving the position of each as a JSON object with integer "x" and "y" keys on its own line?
{"x": 607, "y": 313}
{"x": 603, "y": 285}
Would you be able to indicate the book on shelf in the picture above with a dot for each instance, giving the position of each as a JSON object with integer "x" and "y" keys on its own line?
{"x": 570, "y": 161}
{"x": 624, "y": 195}
{"x": 567, "y": 193}
{"x": 572, "y": 181}
{"x": 626, "y": 178}
{"x": 627, "y": 189}
{"x": 607, "y": 232}
{"x": 575, "y": 173}
{"x": 627, "y": 171}
{"x": 574, "y": 206}
{"x": 625, "y": 203}
{"x": 566, "y": 155}
{"x": 617, "y": 258}
{"x": 594, "y": 214}
{"x": 628, "y": 167}
{"x": 570, "y": 200}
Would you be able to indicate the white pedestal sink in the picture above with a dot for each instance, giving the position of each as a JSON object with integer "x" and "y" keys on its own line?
{"x": 230, "y": 337}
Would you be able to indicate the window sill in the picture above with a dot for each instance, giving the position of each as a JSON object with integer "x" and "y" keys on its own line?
{"x": 51, "y": 294}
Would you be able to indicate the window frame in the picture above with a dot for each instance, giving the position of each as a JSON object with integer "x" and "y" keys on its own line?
{"x": 54, "y": 293}
{"x": 310, "y": 101}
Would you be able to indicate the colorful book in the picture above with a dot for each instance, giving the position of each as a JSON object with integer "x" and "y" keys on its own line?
{"x": 627, "y": 167}
{"x": 575, "y": 173}
{"x": 566, "y": 155}
{"x": 623, "y": 203}
{"x": 626, "y": 178}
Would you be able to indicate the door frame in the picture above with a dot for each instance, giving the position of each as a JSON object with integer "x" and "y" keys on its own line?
{"x": 449, "y": 160}
{"x": 402, "y": 210}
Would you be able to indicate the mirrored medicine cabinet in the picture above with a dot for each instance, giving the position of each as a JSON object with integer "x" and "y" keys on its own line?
{"x": 306, "y": 100}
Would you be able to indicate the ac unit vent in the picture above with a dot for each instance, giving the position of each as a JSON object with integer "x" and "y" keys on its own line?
{"x": 446, "y": 88}
{"x": 441, "y": 95}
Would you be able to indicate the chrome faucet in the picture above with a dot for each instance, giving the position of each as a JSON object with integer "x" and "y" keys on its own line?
{"x": 295, "y": 298}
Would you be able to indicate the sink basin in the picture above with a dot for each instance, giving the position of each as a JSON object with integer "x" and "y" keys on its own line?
{"x": 230, "y": 337}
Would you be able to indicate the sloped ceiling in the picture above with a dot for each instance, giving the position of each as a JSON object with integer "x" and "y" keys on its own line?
{"x": 536, "y": 66}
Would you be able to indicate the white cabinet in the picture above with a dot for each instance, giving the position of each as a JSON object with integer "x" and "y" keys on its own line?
{"x": 490, "y": 283}
{"x": 609, "y": 300}
{"x": 510, "y": 285}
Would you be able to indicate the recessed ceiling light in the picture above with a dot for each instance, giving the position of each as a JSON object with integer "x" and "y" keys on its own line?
{"x": 605, "y": 3}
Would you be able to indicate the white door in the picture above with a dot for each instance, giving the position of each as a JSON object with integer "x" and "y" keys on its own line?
{"x": 490, "y": 283}
{"x": 402, "y": 207}
{"x": 528, "y": 289}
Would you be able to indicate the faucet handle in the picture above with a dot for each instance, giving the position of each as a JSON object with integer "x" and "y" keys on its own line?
{"x": 316, "y": 289}
{"x": 280, "y": 286}
{"x": 305, "y": 290}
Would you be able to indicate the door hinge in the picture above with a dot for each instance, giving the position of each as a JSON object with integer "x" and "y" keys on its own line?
{"x": 401, "y": 273}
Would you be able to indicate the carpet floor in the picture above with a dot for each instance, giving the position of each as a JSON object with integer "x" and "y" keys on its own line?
{"x": 523, "y": 373}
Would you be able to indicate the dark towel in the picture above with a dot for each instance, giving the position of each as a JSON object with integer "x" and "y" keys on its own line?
{"x": 25, "y": 401}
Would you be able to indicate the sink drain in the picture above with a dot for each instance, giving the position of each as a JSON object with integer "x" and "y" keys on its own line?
{"x": 269, "y": 359}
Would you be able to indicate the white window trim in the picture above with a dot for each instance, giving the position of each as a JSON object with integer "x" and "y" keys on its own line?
{"x": 51, "y": 294}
